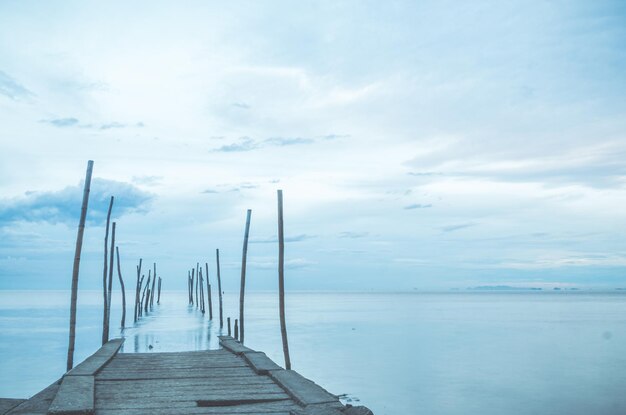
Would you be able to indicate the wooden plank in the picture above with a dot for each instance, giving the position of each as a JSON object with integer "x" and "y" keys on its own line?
{"x": 158, "y": 401}
{"x": 169, "y": 374}
{"x": 232, "y": 382}
{"x": 188, "y": 391}
{"x": 75, "y": 396}
{"x": 96, "y": 361}
{"x": 191, "y": 408}
{"x": 233, "y": 345}
{"x": 199, "y": 353}
{"x": 7, "y": 404}
{"x": 38, "y": 404}
{"x": 304, "y": 391}
{"x": 260, "y": 363}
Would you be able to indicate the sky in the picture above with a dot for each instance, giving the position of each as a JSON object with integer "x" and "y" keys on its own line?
{"x": 419, "y": 145}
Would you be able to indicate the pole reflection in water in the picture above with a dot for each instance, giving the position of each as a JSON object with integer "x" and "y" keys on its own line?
{"x": 171, "y": 327}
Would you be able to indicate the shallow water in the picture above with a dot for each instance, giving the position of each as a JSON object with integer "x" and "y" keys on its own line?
{"x": 427, "y": 353}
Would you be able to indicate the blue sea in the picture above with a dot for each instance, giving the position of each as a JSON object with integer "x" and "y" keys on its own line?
{"x": 470, "y": 353}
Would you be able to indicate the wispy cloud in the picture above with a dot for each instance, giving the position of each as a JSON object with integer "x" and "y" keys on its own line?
{"x": 274, "y": 239}
{"x": 288, "y": 141}
{"x": 244, "y": 144}
{"x": 241, "y": 105}
{"x": 248, "y": 144}
{"x": 353, "y": 235}
{"x": 63, "y": 206}
{"x": 75, "y": 122}
{"x": 418, "y": 206}
{"x": 10, "y": 88}
{"x": 456, "y": 227}
{"x": 62, "y": 122}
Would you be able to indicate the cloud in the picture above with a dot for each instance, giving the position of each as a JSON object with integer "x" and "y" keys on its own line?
{"x": 63, "y": 206}
{"x": 147, "y": 180}
{"x": 9, "y": 87}
{"x": 241, "y": 105}
{"x": 274, "y": 239}
{"x": 75, "y": 122}
{"x": 62, "y": 122}
{"x": 244, "y": 144}
{"x": 295, "y": 263}
{"x": 424, "y": 174}
{"x": 418, "y": 206}
{"x": 248, "y": 144}
{"x": 353, "y": 235}
{"x": 452, "y": 228}
{"x": 288, "y": 141}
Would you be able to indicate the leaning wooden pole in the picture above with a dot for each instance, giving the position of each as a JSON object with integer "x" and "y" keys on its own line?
{"x": 281, "y": 281}
{"x": 208, "y": 290}
{"x": 154, "y": 277}
{"x": 110, "y": 287}
{"x": 119, "y": 274}
{"x": 137, "y": 291}
{"x": 79, "y": 248}
{"x": 159, "y": 295}
{"x": 242, "y": 288}
{"x": 105, "y": 272}
{"x": 219, "y": 285}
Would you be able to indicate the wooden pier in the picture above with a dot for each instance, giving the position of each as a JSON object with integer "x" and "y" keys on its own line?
{"x": 231, "y": 380}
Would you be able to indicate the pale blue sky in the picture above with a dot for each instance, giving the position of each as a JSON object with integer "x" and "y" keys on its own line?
{"x": 420, "y": 145}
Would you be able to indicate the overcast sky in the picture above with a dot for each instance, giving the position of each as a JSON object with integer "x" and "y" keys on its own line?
{"x": 419, "y": 145}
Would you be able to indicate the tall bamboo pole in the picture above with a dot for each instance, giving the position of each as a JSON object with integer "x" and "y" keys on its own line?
{"x": 219, "y": 285}
{"x": 281, "y": 281}
{"x": 208, "y": 290}
{"x": 242, "y": 288}
{"x": 110, "y": 287}
{"x": 159, "y": 296}
{"x": 119, "y": 274}
{"x": 197, "y": 283}
{"x": 105, "y": 272}
{"x": 137, "y": 291}
{"x": 154, "y": 277}
{"x": 75, "y": 270}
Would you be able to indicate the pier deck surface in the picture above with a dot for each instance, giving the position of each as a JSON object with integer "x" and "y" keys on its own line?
{"x": 232, "y": 380}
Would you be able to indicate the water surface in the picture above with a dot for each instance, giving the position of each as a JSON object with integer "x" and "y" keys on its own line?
{"x": 410, "y": 353}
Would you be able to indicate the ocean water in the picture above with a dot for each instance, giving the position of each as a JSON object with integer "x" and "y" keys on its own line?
{"x": 476, "y": 353}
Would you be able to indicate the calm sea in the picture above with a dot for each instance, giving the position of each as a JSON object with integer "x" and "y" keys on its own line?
{"x": 415, "y": 353}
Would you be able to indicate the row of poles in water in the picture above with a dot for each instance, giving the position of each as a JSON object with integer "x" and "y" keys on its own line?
{"x": 147, "y": 297}
{"x": 197, "y": 278}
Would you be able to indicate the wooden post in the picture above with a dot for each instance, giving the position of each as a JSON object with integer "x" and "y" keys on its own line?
{"x": 219, "y": 285}
{"x": 201, "y": 290}
{"x": 119, "y": 274}
{"x": 110, "y": 284}
{"x": 236, "y": 331}
{"x": 154, "y": 276}
{"x": 208, "y": 290}
{"x": 228, "y": 320}
{"x": 144, "y": 299}
{"x": 192, "y": 283}
{"x": 143, "y": 277}
{"x": 242, "y": 288}
{"x": 105, "y": 273}
{"x": 281, "y": 281}
{"x": 159, "y": 296}
{"x": 197, "y": 283}
{"x": 75, "y": 270}
{"x": 137, "y": 291}
{"x": 189, "y": 286}
{"x": 139, "y": 313}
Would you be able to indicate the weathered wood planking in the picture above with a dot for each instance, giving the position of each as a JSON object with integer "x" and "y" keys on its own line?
{"x": 6, "y": 404}
{"x": 38, "y": 404}
{"x": 233, "y": 380}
